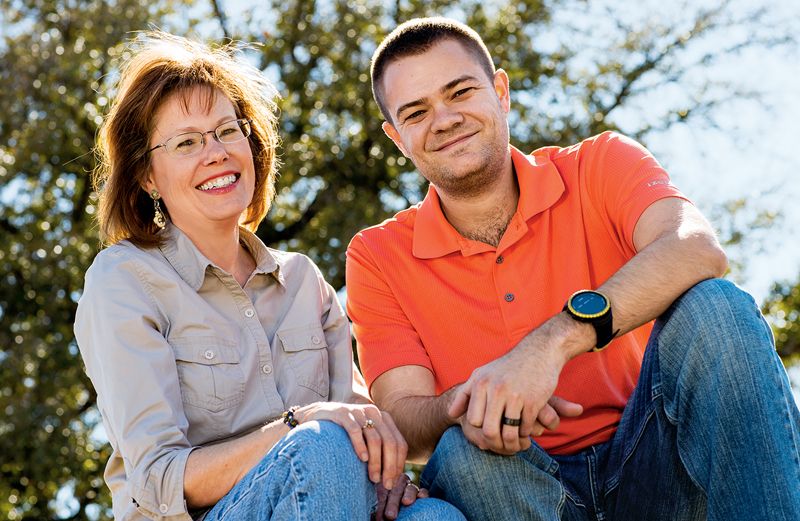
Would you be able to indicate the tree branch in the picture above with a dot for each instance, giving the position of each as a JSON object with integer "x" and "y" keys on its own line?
{"x": 223, "y": 20}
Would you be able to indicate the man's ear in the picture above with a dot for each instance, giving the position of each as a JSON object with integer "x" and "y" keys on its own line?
{"x": 501, "y": 88}
{"x": 390, "y": 131}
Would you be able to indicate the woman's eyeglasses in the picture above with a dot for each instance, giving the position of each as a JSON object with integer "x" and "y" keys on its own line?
{"x": 191, "y": 143}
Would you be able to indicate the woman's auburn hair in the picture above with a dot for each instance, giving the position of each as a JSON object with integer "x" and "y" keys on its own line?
{"x": 157, "y": 65}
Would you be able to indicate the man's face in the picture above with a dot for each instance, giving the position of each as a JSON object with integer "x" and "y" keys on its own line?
{"x": 448, "y": 117}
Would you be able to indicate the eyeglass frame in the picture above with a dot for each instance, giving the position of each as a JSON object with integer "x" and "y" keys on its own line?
{"x": 241, "y": 122}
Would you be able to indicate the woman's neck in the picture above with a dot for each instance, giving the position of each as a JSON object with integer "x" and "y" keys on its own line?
{"x": 222, "y": 247}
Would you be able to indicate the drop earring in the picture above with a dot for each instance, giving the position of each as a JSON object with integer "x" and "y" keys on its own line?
{"x": 158, "y": 218}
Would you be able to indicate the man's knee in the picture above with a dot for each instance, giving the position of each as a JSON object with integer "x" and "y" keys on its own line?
{"x": 455, "y": 460}
{"x": 718, "y": 314}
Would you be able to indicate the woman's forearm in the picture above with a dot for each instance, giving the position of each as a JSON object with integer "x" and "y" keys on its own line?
{"x": 212, "y": 471}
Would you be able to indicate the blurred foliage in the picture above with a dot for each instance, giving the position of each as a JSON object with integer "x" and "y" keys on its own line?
{"x": 572, "y": 76}
{"x": 782, "y": 308}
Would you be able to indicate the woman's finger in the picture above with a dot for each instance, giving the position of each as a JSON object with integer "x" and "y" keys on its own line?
{"x": 395, "y": 449}
{"x": 374, "y": 441}
{"x": 347, "y": 421}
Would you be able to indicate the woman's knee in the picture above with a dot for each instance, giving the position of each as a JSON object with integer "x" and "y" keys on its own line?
{"x": 327, "y": 446}
{"x": 430, "y": 509}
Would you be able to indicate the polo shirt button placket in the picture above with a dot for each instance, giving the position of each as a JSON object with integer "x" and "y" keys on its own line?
{"x": 499, "y": 259}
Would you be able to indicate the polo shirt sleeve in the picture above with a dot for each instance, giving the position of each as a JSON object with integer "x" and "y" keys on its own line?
{"x": 624, "y": 179}
{"x": 384, "y": 335}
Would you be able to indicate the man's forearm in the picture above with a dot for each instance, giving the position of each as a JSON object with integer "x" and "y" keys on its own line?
{"x": 651, "y": 281}
{"x": 421, "y": 420}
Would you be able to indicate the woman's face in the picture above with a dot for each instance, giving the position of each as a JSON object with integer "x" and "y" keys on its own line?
{"x": 211, "y": 188}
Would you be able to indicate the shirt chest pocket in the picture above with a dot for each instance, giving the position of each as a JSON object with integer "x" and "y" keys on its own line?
{"x": 209, "y": 371}
{"x": 306, "y": 352}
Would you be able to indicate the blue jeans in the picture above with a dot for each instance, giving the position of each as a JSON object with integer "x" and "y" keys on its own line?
{"x": 313, "y": 474}
{"x": 711, "y": 432}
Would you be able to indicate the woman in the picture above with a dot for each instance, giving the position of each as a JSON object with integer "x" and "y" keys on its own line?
{"x": 214, "y": 357}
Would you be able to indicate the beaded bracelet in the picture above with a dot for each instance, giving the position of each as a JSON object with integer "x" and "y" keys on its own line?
{"x": 288, "y": 417}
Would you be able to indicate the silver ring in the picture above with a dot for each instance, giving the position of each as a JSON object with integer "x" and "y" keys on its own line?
{"x": 369, "y": 424}
{"x": 412, "y": 484}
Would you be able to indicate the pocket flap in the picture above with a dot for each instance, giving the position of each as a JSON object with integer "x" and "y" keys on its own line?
{"x": 302, "y": 338}
{"x": 205, "y": 350}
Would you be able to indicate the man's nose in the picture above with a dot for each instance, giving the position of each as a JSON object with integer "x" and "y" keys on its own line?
{"x": 445, "y": 117}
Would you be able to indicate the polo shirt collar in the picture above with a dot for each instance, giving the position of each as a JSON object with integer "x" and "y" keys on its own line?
{"x": 540, "y": 186}
{"x": 191, "y": 264}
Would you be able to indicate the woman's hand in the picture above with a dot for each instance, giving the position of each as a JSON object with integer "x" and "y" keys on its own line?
{"x": 375, "y": 437}
{"x": 404, "y": 492}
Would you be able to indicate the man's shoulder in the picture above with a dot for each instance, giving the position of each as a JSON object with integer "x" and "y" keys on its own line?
{"x": 596, "y": 143}
{"x": 395, "y": 232}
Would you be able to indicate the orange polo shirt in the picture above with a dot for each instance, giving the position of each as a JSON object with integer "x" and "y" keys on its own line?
{"x": 421, "y": 294}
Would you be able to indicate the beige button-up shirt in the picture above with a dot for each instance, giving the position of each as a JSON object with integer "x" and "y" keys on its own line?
{"x": 182, "y": 356}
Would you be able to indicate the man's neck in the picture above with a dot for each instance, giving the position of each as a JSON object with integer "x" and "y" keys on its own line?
{"x": 485, "y": 216}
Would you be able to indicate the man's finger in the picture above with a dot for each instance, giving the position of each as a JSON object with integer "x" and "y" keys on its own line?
{"x": 410, "y": 493}
{"x": 396, "y": 494}
{"x": 538, "y": 429}
{"x": 477, "y": 407}
{"x": 509, "y": 427}
{"x": 548, "y": 417}
{"x": 383, "y": 494}
{"x": 460, "y": 402}
{"x": 565, "y": 408}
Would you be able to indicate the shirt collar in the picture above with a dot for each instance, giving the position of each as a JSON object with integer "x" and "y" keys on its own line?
{"x": 540, "y": 186}
{"x": 191, "y": 264}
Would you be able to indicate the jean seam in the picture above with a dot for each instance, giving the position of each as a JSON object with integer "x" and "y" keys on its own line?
{"x": 612, "y": 484}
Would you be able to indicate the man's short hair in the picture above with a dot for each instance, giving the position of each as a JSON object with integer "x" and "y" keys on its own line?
{"x": 417, "y": 36}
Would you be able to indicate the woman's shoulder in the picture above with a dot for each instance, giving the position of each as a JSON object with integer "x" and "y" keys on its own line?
{"x": 292, "y": 260}
{"x": 123, "y": 260}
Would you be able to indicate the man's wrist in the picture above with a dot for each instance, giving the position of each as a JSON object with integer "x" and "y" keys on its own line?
{"x": 572, "y": 338}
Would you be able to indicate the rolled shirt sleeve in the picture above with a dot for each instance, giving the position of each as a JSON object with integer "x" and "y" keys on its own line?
{"x": 120, "y": 333}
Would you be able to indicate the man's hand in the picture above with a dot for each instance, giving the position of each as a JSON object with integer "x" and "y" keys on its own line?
{"x": 519, "y": 385}
{"x": 404, "y": 493}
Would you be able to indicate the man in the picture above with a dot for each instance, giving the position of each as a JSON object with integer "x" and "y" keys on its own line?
{"x": 557, "y": 410}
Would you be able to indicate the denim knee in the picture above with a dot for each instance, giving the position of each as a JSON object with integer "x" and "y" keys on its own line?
{"x": 718, "y": 315}
{"x": 327, "y": 448}
{"x": 492, "y": 487}
{"x": 711, "y": 338}
{"x": 456, "y": 457}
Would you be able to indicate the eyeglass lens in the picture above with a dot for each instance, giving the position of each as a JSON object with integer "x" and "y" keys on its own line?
{"x": 192, "y": 142}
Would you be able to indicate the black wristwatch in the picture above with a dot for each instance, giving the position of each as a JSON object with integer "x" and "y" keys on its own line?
{"x": 593, "y": 308}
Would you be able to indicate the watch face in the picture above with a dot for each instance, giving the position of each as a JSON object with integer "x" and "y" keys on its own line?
{"x": 589, "y": 303}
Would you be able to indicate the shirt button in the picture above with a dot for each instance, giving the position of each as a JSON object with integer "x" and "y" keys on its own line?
{"x": 509, "y": 297}
{"x": 499, "y": 260}
{"x": 315, "y": 340}
{"x": 266, "y": 369}
{"x": 249, "y": 313}
{"x": 163, "y": 508}
{"x": 209, "y": 354}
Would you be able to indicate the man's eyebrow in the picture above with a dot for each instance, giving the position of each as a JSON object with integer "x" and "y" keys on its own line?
{"x": 448, "y": 86}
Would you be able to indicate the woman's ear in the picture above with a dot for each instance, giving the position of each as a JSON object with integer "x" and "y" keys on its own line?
{"x": 148, "y": 185}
